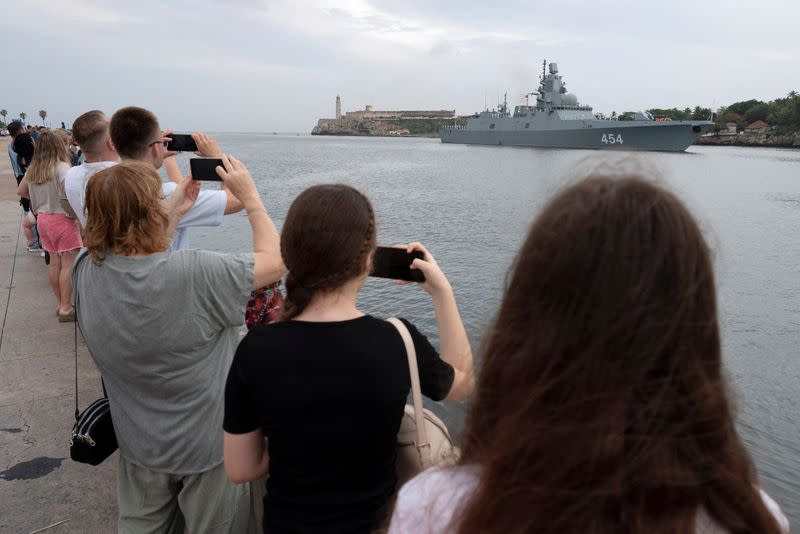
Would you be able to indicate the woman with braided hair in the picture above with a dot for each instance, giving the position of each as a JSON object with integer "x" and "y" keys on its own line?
{"x": 299, "y": 390}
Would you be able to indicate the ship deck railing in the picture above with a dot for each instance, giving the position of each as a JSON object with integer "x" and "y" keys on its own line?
{"x": 578, "y": 108}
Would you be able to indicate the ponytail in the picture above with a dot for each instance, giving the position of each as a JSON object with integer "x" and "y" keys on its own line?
{"x": 297, "y": 299}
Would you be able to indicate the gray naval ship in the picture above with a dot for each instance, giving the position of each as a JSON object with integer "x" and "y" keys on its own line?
{"x": 559, "y": 121}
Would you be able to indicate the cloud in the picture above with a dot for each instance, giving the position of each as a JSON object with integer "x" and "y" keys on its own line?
{"x": 374, "y": 34}
{"x": 73, "y": 11}
{"x": 278, "y": 64}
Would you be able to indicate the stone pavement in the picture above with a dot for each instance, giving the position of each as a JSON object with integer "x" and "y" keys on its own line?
{"x": 40, "y": 486}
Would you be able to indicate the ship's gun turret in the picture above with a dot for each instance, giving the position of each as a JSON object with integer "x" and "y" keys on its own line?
{"x": 552, "y": 93}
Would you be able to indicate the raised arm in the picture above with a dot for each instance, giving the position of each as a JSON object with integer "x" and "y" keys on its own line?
{"x": 173, "y": 171}
{"x": 455, "y": 348}
{"x": 208, "y": 147}
{"x": 180, "y": 201}
{"x": 268, "y": 267}
{"x": 233, "y": 204}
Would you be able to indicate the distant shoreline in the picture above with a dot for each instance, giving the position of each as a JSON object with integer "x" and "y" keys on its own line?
{"x": 432, "y": 135}
{"x": 751, "y": 140}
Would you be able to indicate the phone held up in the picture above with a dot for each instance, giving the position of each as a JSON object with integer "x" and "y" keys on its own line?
{"x": 395, "y": 263}
{"x": 182, "y": 143}
{"x": 205, "y": 169}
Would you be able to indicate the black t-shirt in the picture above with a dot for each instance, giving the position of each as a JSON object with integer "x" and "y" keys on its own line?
{"x": 330, "y": 398}
{"x": 23, "y": 146}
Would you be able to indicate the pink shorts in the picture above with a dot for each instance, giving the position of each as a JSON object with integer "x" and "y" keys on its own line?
{"x": 58, "y": 233}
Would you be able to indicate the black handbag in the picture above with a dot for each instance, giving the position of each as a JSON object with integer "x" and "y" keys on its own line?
{"x": 93, "y": 438}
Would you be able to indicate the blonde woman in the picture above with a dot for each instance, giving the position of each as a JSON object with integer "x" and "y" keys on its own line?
{"x": 59, "y": 234}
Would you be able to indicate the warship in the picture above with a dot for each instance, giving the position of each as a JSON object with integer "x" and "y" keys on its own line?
{"x": 559, "y": 121}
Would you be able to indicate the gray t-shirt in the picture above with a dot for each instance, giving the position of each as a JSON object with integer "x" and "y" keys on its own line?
{"x": 163, "y": 329}
{"x": 46, "y": 197}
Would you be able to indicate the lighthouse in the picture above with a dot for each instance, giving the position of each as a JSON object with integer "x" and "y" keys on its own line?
{"x": 338, "y": 108}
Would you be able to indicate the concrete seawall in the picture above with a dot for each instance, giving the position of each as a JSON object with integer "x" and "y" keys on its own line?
{"x": 40, "y": 486}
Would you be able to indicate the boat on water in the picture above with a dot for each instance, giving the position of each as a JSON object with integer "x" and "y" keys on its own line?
{"x": 557, "y": 120}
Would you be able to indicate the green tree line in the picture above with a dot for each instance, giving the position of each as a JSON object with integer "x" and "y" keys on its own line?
{"x": 782, "y": 113}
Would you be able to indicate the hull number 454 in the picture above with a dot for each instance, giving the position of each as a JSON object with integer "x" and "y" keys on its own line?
{"x": 611, "y": 139}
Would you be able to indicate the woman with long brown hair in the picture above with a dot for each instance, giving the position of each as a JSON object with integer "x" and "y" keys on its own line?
{"x": 601, "y": 405}
{"x": 327, "y": 385}
{"x": 59, "y": 234}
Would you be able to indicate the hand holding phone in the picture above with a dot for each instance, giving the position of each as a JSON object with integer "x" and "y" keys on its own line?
{"x": 207, "y": 146}
{"x": 436, "y": 283}
{"x": 205, "y": 169}
{"x": 395, "y": 263}
{"x": 239, "y": 182}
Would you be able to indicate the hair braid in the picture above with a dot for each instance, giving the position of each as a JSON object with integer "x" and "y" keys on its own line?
{"x": 320, "y": 243}
{"x": 369, "y": 239}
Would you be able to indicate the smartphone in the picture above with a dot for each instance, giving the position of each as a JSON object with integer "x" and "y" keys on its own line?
{"x": 182, "y": 143}
{"x": 205, "y": 168}
{"x": 395, "y": 263}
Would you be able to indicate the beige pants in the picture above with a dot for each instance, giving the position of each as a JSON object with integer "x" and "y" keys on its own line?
{"x": 153, "y": 502}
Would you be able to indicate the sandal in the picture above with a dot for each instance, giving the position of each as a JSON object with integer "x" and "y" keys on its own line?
{"x": 67, "y": 317}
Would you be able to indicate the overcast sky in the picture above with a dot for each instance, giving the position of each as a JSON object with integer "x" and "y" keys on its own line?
{"x": 252, "y": 65}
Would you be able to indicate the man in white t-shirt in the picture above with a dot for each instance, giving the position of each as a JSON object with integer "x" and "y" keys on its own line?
{"x": 133, "y": 133}
{"x": 90, "y": 131}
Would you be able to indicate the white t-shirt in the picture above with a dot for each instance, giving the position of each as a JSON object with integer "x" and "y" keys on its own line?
{"x": 75, "y": 185}
{"x": 428, "y": 503}
{"x": 208, "y": 210}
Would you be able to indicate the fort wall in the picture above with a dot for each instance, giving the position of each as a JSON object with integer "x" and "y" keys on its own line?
{"x": 377, "y": 122}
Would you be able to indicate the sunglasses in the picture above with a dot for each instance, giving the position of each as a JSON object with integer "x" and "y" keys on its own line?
{"x": 165, "y": 143}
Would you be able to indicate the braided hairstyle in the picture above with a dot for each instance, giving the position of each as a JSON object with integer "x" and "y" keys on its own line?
{"x": 326, "y": 238}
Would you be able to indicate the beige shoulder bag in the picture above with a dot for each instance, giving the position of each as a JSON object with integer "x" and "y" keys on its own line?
{"x": 419, "y": 446}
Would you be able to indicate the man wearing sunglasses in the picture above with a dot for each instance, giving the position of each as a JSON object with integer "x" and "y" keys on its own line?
{"x": 136, "y": 135}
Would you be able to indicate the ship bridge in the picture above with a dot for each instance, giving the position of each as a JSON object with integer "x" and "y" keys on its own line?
{"x": 574, "y": 113}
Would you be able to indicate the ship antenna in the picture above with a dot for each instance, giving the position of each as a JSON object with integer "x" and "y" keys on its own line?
{"x": 544, "y": 68}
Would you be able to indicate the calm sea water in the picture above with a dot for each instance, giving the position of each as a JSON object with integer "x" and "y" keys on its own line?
{"x": 472, "y": 206}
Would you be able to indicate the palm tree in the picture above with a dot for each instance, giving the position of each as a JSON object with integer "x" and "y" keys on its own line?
{"x": 42, "y": 114}
{"x": 4, "y": 112}
{"x": 22, "y": 116}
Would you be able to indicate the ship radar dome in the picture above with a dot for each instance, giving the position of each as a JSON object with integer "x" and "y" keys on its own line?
{"x": 553, "y": 68}
{"x": 569, "y": 100}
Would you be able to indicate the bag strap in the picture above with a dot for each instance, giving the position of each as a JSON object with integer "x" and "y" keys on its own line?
{"x": 77, "y": 411}
{"x": 81, "y": 255}
{"x": 423, "y": 445}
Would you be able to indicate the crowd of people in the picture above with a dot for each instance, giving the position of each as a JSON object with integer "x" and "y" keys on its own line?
{"x": 600, "y": 406}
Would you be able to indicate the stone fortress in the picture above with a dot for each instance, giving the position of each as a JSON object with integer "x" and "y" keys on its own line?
{"x": 379, "y": 123}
